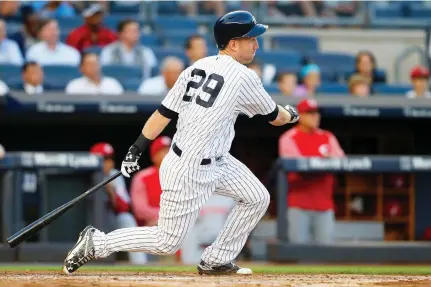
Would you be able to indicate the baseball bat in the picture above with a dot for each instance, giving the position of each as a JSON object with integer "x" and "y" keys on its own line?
{"x": 34, "y": 227}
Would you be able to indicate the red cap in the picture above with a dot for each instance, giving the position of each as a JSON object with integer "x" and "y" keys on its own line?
{"x": 159, "y": 143}
{"x": 102, "y": 149}
{"x": 419, "y": 72}
{"x": 307, "y": 105}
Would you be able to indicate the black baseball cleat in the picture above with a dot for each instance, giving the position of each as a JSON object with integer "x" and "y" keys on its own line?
{"x": 227, "y": 269}
{"x": 81, "y": 253}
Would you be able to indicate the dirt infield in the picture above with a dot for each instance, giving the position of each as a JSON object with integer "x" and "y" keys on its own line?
{"x": 120, "y": 279}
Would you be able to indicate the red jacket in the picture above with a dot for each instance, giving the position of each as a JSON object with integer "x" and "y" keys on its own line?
{"x": 145, "y": 192}
{"x": 311, "y": 191}
{"x": 81, "y": 38}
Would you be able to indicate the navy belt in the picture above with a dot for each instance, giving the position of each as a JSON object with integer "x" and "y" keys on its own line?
{"x": 179, "y": 152}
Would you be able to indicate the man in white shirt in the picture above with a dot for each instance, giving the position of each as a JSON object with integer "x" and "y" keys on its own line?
{"x": 32, "y": 78}
{"x": 419, "y": 76}
{"x": 93, "y": 83}
{"x": 4, "y": 89}
{"x": 9, "y": 50}
{"x": 171, "y": 69}
{"x": 50, "y": 51}
{"x": 128, "y": 51}
{"x": 196, "y": 48}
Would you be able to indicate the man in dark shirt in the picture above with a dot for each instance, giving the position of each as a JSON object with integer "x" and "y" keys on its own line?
{"x": 92, "y": 33}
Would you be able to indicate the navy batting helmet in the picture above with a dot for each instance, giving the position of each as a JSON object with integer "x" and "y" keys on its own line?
{"x": 237, "y": 24}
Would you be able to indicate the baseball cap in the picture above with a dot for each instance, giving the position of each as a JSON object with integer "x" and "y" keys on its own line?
{"x": 91, "y": 10}
{"x": 311, "y": 68}
{"x": 159, "y": 143}
{"x": 102, "y": 149}
{"x": 419, "y": 72}
{"x": 307, "y": 105}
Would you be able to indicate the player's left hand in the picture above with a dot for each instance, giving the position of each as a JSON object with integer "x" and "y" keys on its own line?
{"x": 130, "y": 163}
{"x": 294, "y": 116}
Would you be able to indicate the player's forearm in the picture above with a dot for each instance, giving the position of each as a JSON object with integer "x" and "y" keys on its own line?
{"x": 283, "y": 117}
{"x": 155, "y": 125}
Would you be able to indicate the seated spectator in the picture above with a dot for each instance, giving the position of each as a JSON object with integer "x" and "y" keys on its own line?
{"x": 194, "y": 8}
{"x": 287, "y": 82}
{"x": 28, "y": 34}
{"x": 9, "y": 50}
{"x": 171, "y": 69}
{"x": 2, "y": 152}
{"x": 92, "y": 33}
{"x": 119, "y": 200}
{"x": 4, "y": 89}
{"x": 420, "y": 81}
{"x": 32, "y": 78}
{"x": 343, "y": 8}
{"x": 53, "y": 9}
{"x": 50, "y": 51}
{"x": 93, "y": 83}
{"x": 310, "y": 212}
{"x": 9, "y": 10}
{"x": 366, "y": 66}
{"x": 359, "y": 86}
{"x": 128, "y": 51}
{"x": 196, "y": 48}
{"x": 257, "y": 67}
{"x": 310, "y": 77}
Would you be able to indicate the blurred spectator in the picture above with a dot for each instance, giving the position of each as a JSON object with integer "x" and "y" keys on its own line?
{"x": 366, "y": 66}
{"x": 92, "y": 33}
{"x": 145, "y": 187}
{"x": 9, "y": 9}
{"x": 28, "y": 34}
{"x": 310, "y": 198}
{"x": 119, "y": 200}
{"x": 194, "y": 8}
{"x": 50, "y": 51}
{"x": 287, "y": 82}
{"x": 257, "y": 67}
{"x": 359, "y": 86}
{"x": 171, "y": 69}
{"x": 53, "y": 9}
{"x": 9, "y": 50}
{"x": 310, "y": 77}
{"x": 128, "y": 51}
{"x": 419, "y": 76}
{"x": 343, "y": 8}
{"x": 32, "y": 78}
{"x": 93, "y": 83}
{"x": 4, "y": 89}
{"x": 196, "y": 48}
{"x": 2, "y": 152}
{"x": 299, "y": 8}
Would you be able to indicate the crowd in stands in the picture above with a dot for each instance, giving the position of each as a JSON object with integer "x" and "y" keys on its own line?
{"x": 88, "y": 48}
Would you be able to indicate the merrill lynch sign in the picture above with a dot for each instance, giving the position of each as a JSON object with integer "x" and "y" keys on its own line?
{"x": 329, "y": 164}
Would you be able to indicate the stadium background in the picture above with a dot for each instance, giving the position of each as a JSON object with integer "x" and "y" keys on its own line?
{"x": 395, "y": 32}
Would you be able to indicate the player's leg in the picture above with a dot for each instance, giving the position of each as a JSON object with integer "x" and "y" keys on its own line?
{"x": 298, "y": 225}
{"x": 323, "y": 226}
{"x": 238, "y": 182}
{"x": 125, "y": 220}
{"x": 185, "y": 189}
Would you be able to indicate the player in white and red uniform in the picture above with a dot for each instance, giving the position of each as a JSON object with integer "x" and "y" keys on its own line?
{"x": 207, "y": 98}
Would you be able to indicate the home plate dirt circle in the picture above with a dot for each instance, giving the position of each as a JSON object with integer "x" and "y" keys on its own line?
{"x": 114, "y": 279}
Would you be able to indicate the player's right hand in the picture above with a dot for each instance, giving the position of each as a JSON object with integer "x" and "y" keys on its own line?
{"x": 294, "y": 116}
{"x": 130, "y": 163}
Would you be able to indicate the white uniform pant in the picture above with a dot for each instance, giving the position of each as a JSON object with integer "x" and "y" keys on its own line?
{"x": 186, "y": 186}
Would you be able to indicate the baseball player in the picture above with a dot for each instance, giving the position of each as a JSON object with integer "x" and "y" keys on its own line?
{"x": 207, "y": 98}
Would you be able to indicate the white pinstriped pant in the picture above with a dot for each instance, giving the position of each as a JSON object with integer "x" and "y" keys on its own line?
{"x": 186, "y": 186}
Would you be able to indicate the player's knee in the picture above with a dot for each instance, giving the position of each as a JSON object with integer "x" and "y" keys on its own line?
{"x": 171, "y": 249}
{"x": 170, "y": 246}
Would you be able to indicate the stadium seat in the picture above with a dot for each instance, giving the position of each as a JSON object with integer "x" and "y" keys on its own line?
{"x": 61, "y": 72}
{"x": 272, "y": 89}
{"x": 131, "y": 84}
{"x": 167, "y": 7}
{"x": 338, "y": 63}
{"x": 9, "y": 71}
{"x": 150, "y": 40}
{"x": 393, "y": 90}
{"x": 124, "y": 7}
{"x": 167, "y": 24}
{"x": 333, "y": 88}
{"x": 93, "y": 49}
{"x": 281, "y": 60}
{"x": 303, "y": 44}
{"x": 121, "y": 72}
{"x": 387, "y": 10}
{"x": 161, "y": 53}
{"x": 68, "y": 24}
{"x": 419, "y": 11}
{"x": 111, "y": 21}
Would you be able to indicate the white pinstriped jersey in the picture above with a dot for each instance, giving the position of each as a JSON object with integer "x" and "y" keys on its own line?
{"x": 208, "y": 97}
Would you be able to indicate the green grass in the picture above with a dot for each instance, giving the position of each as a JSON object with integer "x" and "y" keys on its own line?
{"x": 279, "y": 269}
